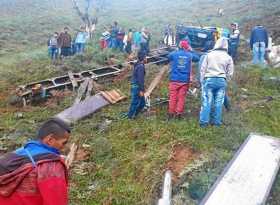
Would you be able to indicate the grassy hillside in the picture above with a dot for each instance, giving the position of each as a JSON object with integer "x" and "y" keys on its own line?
{"x": 126, "y": 159}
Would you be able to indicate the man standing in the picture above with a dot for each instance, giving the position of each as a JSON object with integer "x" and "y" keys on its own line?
{"x": 234, "y": 40}
{"x": 36, "y": 173}
{"x": 258, "y": 44}
{"x": 179, "y": 79}
{"x": 145, "y": 40}
{"x": 80, "y": 41}
{"x": 53, "y": 46}
{"x": 114, "y": 33}
{"x": 137, "y": 87}
{"x": 217, "y": 67}
{"x": 136, "y": 41}
{"x": 64, "y": 42}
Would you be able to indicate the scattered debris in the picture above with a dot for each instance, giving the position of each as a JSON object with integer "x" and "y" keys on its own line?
{"x": 81, "y": 91}
{"x": 102, "y": 127}
{"x": 157, "y": 56}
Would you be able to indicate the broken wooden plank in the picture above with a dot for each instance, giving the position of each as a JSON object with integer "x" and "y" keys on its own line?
{"x": 107, "y": 97}
{"x": 73, "y": 80}
{"x": 156, "y": 81}
{"x": 248, "y": 178}
{"x": 81, "y": 91}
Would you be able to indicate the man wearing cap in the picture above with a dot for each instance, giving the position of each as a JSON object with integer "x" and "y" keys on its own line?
{"x": 36, "y": 174}
{"x": 179, "y": 79}
{"x": 137, "y": 87}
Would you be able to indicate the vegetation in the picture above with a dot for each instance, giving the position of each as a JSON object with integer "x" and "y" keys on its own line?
{"x": 127, "y": 158}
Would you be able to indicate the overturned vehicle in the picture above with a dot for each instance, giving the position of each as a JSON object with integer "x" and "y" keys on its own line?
{"x": 202, "y": 39}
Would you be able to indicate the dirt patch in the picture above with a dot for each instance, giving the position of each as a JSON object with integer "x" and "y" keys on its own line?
{"x": 181, "y": 156}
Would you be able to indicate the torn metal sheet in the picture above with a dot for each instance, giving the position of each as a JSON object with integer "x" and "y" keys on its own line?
{"x": 90, "y": 105}
{"x": 83, "y": 109}
{"x": 248, "y": 178}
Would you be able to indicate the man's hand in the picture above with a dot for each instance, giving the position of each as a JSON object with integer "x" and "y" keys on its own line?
{"x": 141, "y": 93}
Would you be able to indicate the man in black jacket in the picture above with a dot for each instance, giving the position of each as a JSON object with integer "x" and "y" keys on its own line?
{"x": 137, "y": 87}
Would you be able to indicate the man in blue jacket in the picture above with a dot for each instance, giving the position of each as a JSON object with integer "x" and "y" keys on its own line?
{"x": 179, "y": 79}
{"x": 258, "y": 44}
{"x": 137, "y": 87}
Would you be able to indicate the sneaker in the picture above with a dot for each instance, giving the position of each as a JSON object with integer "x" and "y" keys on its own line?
{"x": 204, "y": 125}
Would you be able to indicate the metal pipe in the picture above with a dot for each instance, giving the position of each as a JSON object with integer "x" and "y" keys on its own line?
{"x": 167, "y": 189}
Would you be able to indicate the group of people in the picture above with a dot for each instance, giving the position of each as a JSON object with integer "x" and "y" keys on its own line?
{"x": 63, "y": 45}
{"x": 216, "y": 69}
{"x": 131, "y": 41}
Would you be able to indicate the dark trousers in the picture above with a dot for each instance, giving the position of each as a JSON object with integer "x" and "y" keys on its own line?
{"x": 137, "y": 102}
{"x": 66, "y": 51}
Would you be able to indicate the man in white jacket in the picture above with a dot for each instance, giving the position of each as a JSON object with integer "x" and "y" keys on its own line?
{"x": 217, "y": 67}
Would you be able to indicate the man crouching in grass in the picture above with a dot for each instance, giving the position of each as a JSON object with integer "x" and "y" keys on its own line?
{"x": 36, "y": 174}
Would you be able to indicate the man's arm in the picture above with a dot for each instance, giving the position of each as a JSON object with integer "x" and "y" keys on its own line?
{"x": 52, "y": 183}
{"x": 203, "y": 67}
{"x": 230, "y": 69}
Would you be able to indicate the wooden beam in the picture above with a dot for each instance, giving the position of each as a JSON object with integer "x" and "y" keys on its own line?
{"x": 156, "y": 81}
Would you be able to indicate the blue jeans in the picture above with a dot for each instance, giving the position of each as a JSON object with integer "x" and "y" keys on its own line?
{"x": 137, "y": 102}
{"x": 53, "y": 53}
{"x": 120, "y": 44}
{"x": 114, "y": 43}
{"x": 258, "y": 53}
{"x": 233, "y": 46}
{"x": 213, "y": 91}
{"x": 144, "y": 48}
{"x": 80, "y": 47}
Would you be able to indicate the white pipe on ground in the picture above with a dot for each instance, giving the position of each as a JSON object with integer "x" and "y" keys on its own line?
{"x": 167, "y": 189}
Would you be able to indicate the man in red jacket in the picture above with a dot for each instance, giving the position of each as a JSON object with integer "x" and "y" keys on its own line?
{"x": 35, "y": 174}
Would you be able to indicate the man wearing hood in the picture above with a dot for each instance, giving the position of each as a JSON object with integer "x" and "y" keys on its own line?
{"x": 179, "y": 79}
{"x": 216, "y": 68}
{"x": 36, "y": 174}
